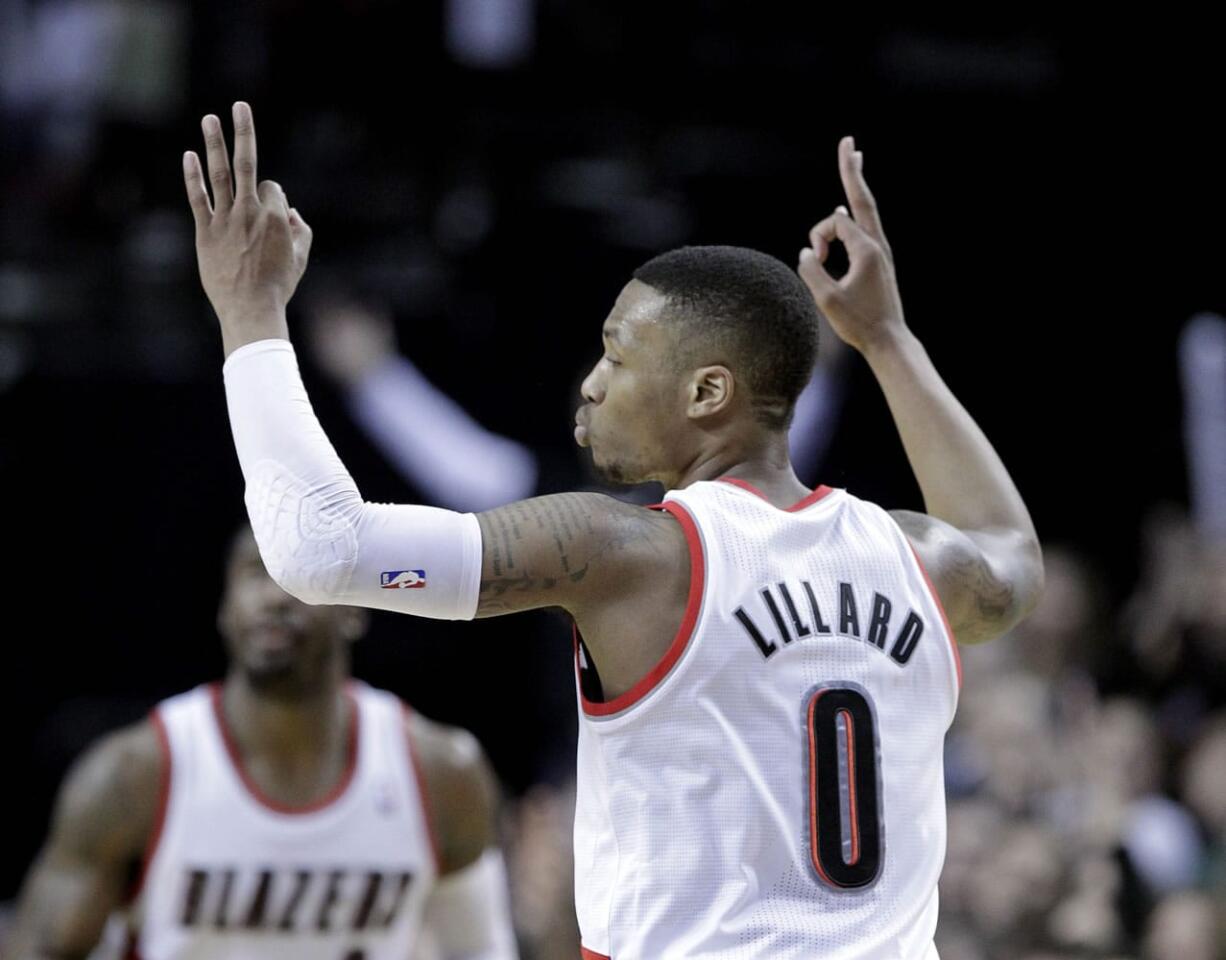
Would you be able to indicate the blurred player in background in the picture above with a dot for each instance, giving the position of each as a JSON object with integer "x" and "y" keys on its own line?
{"x": 766, "y": 672}
{"x": 288, "y": 811}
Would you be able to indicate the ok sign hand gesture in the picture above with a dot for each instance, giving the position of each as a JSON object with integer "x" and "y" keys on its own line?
{"x": 863, "y": 306}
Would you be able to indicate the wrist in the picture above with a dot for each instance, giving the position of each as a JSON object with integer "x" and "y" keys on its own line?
{"x": 889, "y": 344}
{"x": 241, "y": 328}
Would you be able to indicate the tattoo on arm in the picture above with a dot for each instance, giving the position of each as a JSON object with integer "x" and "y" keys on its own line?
{"x": 993, "y": 597}
{"x": 538, "y": 551}
{"x": 982, "y": 584}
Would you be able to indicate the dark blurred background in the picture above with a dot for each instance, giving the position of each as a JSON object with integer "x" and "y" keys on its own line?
{"x": 489, "y": 172}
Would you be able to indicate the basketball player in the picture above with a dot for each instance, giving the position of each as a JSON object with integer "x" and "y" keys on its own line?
{"x": 286, "y": 812}
{"x": 766, "y": 672}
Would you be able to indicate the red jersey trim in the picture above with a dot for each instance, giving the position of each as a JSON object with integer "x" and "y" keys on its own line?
{"x": 814, "y": 822}
{"x": 684, "y": 632}
{"x": 333, "y": 795}
{"x": 807, "y": 501}
{"x": 159, "y": 822}
{"x": 427, "y": 810}
{"x": 953, "y": 641}
{"x": 586, "y": 954}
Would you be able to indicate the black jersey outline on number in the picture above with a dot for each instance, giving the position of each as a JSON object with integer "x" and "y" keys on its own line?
{"x": 807, "y": 838}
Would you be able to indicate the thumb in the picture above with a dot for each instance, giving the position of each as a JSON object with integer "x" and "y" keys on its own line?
{"x": 296, "y": 223}
{"x": 819, "y": 282}
{"x": 300, "y": 230}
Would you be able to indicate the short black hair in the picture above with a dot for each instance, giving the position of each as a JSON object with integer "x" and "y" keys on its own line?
{"x": 750, "y": 305}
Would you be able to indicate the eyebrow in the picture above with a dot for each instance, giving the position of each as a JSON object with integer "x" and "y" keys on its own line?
{"x": 613, "y": 333}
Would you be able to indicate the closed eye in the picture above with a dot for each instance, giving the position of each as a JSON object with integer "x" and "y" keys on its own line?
{"x": 616, "y": 363}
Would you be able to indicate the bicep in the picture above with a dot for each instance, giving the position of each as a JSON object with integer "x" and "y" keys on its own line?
{"x": 562, "y": 550}
{"x": 87, "y": 863}
{"x": 987, "y": 580}
{"x": 462, "y": 787}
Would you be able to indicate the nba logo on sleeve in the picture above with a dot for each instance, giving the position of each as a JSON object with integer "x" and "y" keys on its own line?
{"x": 402, "y": 579}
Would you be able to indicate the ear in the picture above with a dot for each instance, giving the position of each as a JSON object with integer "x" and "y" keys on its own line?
{"x": 710, "y": 391}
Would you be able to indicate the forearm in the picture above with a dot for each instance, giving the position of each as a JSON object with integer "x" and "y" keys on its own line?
{"x": 962, "y": 479}
{"x": 320, "y": 541}
{"x": 468, "y": 914}
{"x": 61, "y": 913}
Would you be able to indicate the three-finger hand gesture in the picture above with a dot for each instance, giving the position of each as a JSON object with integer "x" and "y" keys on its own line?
{"x": 863, "y": 306}
{"x": 251, "y": 245}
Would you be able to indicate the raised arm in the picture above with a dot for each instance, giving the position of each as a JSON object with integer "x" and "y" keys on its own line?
{"x": 976, "y": 539}
{"x": 103, "y": 818}
{"x": 319, "y": 539}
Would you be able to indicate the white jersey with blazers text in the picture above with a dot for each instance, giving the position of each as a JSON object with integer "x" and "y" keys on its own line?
{"x": 774, "y": 787}
{"x": 232, "y": 874}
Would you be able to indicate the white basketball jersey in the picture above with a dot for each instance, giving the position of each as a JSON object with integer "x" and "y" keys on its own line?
{"x": 774, "y": 787}
{"x": 234, "y": 875}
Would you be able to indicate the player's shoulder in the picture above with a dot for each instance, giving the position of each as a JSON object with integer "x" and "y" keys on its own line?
{"x": 635, "y": 534}
{"x": 930, "y": 536}
{"x": 443, "y": 749}
{"x": 132, "y": 756}
{"x": 112, "y": 792}
{"x": 595, "y": 511}
{"x": 460, "y": 787}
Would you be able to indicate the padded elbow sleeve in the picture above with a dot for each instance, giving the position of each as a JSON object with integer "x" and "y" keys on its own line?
{"x": 319, "y": 540}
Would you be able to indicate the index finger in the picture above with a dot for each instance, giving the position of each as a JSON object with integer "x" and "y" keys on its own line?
{"x": 859, "y": 197}
{"x": 244, "y": 150}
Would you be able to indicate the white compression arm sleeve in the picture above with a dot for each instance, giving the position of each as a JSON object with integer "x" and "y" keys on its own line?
{"x": 468, "y": 914}
{"x": 320, "y": 541}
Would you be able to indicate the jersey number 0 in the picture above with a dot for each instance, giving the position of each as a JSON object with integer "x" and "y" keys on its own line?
{"x": 844, "y": 787}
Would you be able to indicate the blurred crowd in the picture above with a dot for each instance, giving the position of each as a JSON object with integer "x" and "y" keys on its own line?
{"x": 1086, "y": 769}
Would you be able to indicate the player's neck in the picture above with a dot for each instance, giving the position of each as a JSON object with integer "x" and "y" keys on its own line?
{"x": 761, "y": 459}
{"x": 285, "y": 726}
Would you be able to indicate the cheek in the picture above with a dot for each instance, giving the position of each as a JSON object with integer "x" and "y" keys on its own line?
{"x": 241, "y": 603}
{"x": 631, "y": 407}
{"x": 642, "y": 403}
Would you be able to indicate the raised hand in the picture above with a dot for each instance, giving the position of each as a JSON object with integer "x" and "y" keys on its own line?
{"x": 863, "y": 306}
{"x": 251, "y": 245}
